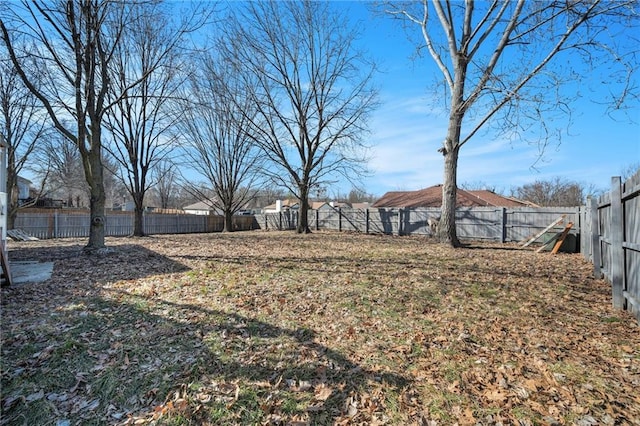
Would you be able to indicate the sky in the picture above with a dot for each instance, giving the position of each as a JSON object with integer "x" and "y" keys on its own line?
{"x": 406, "y": 131}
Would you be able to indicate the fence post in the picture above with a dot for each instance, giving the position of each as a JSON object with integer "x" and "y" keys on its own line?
{"x": 503, "y": 224}
{"x": 399, "y": 221}
{"x": 617, "y": 237}
{"x": 366, "y": 221}
{"x": 596, "y": 258}
{"x": 583, "y": 228}
{"x": 317, "y": 219}
{"x": 55, "y": 224}
{"x": 339, "y": 219}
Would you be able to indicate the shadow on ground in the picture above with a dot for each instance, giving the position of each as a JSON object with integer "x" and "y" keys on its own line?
{"x": 121, "y": 357}
{"x": 119, "y": 261}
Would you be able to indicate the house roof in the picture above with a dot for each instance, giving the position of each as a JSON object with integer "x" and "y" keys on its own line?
{"x": 337, "y": 204}
{"x": 200, "y": 205}
{"x": 315, "y": 205}
{"x": 24, "y": 180}
{"x": 364, "y": 205}
{"x": 432, "y": 197}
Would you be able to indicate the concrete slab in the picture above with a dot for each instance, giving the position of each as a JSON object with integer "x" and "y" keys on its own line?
{"x": 30, "y": 272}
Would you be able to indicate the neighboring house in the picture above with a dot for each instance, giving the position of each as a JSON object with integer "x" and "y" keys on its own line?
{"x": 28, "y": 196}
{"x": 319, "y": 205}
{"x": 338, "y": 204}
{"x": 282, "y": 205}
{"x": 128, "y": 206}
{"x": 206, "y": 207}
{"x": 432, "y": 197}
{"x": 200, "y": 208}
{"x": 24, "y": 187}
{"x": 361, "y": 206}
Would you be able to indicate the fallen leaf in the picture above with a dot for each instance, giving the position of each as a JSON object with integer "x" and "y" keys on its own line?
{"x": 35, "y": 396}
{"x": 322, "y": 392}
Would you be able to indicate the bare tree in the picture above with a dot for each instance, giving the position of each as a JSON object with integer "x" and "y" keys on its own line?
{"x": 267, "y": 195}
{"x": 480, "y": 185}
{"x": 629, "y": 170}
{"x": 147, "y": 67}
{"x": 22, "y": 126}
{"x": 69, "y": 52}
{"x": 312, "y": 89}
{"x": 216, "y": 128}
{"x": 500, "y": 61}
{"x": 359, "y": 195}
{"x": 166, "y": 183}
{"x": 58, "y": 164}
{"x": 116, "y": 191}
{"x": 555, "y": 192}
{"x": 58, "y": 159}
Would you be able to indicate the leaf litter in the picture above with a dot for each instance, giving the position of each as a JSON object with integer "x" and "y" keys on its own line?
{"x": 327, "y": 328}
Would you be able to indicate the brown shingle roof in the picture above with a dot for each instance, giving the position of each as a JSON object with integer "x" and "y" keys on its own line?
{"x": 432, "y": 197}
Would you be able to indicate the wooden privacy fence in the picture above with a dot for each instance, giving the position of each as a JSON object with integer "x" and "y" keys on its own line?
{"x": 612, "y": 241}
{"x": 478, "y": 223}
{"x": 69, "y": 223}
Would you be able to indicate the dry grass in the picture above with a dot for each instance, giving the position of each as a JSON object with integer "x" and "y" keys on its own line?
{"x": 327, "y": 328}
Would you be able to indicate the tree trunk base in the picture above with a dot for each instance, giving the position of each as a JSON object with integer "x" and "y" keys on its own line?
{"x": 97, "y": 251}
{"x": 446, "y": 239}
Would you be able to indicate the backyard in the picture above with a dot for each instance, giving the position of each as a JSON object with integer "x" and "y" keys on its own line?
{"x": 326, "y": 328}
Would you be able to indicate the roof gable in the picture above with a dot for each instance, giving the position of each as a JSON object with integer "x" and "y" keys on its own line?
{"x": 315, "y": 205}
{"x": 200, "y": 205}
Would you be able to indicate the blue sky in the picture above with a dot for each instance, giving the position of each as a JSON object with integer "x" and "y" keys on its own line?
{"x": 406, "y": 132}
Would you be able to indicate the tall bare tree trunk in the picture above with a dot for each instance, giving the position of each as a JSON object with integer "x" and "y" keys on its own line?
{"x": 446, "y": 231}
{"x": 96, "y": 201}
{"x": 228, "y": 221}
{"x": 138, "y": 216}
{"x": 303, "y": 219}
{"x": 12, "y": 194}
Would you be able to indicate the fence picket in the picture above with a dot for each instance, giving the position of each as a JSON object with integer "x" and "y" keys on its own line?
{"x": 616, "y": 249}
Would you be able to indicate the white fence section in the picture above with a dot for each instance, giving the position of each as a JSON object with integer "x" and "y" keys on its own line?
{"x": 612, "y": 241}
